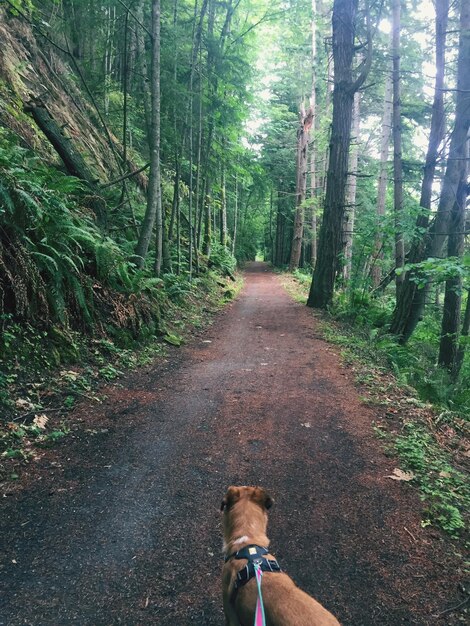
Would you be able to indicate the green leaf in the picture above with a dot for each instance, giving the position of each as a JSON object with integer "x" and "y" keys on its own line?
{"x": 174, "y": 340}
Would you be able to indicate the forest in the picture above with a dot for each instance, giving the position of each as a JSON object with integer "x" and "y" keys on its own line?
{"x": 157, "y": 159}
{"x": 144, "y": 143}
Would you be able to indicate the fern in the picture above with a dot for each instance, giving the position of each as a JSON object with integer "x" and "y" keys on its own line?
{"x": 54, "y": 261}
{"x": 47, "y": 261}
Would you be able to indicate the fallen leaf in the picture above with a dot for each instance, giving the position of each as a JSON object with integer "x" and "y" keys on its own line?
{"x": 40, "y": 421}
{"x": 24, "y": 404}
{"x": 445, "y": 474}
{"x": 399, "y": 474}
{"x": 69, "y": 375}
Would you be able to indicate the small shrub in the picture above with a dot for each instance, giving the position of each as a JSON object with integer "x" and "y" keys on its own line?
{"x": 222, "y": 259}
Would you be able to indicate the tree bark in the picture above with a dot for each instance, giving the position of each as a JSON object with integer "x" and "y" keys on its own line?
{"x": 206, "y": 245}
{"x": 280, "y": 228}
{"x": 235, "y": 215}
{"x": 397, "y": 147}
{"x": 410, "y": 305}
{"x": 166, "y": 267}
{"x": 153, "y": 213}
{"x": 306, "y": 119}
{"x": 449, "y": 348}
{"x": 143, "y": 69}
{"x": 223, "y": 207}
{"x": 351, "y": 187}
{"x": 376, "y": 273}
{"x": 72, "y": 159}
{"x": 312, "y": 150}
{"x": 330, "y": 239}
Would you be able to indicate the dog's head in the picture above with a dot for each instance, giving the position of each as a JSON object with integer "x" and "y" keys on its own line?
{"x": 258, "y": 495}
{"x": 245, "y": 515}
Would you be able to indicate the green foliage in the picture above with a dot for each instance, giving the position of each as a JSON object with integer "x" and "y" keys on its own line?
{"x": 21, "y": 6}
{"x": 177, "y": 287}
{"x": 173, "y": 339}
{"x": 444, "y": 489}
{"x": 17, "y": 440}
{"x": 55, "y": 265}
{"x": 413, "y": 364}
{"x": 43, "y": 242}
{"x": 222, "y": 259}
{"x": 438, "y": 270}
{"x": 109, "y": 372}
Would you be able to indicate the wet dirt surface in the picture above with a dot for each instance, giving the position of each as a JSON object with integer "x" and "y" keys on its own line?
{"x": 123, "y": 526}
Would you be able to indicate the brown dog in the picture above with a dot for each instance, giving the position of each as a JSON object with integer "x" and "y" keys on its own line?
{"x": 245, "y": 522}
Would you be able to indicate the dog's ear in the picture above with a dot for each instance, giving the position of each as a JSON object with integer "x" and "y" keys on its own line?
{"x": 232, "y": 496}
{"x": 268, "y": 501}
{"x": 262, "y": 497}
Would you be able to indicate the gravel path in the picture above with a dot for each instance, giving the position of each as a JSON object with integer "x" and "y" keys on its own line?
{"x": 122, "y": 525}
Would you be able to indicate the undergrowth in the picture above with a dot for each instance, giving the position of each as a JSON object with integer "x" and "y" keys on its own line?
{"x": 406, "y": 384}
{"x": 74, "y": 309}
{"x": 43, "y": 374}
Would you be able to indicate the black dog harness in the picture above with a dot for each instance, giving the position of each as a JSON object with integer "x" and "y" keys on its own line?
{"x": 253, "y": 554}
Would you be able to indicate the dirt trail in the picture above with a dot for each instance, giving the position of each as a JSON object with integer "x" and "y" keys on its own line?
{"x": 123, "y": 526}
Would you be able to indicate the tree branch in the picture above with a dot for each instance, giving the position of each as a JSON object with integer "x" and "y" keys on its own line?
{"x": 118, "y": 180}
{"x": 135, "y": 18}
{"x": 367, "y": 63}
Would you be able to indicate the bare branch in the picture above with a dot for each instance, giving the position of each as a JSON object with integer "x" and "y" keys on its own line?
{"x": 118, "y": 180}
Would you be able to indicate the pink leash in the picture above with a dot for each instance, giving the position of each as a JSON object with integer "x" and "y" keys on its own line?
{"x": 260, "y": 618}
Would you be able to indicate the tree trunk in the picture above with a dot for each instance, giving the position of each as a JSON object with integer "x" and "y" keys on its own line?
{"x": 197, "y": 33}
{"x": 153, "y": 213}
{"x": 176, "y": 197}
{"x": 235, "y": 215}
{"x": 306, "y": 119}
{"x": 330, "y": 240}
{"x": 449, "y": 348}
{"x": 280, "y": 222}
{"x": 312, "y": 150}
{"x": 410, "y": 305}
{"x": 166, "y": 256}
{"x": 463, "y": 338}
{"x": 376, "y": 273}
{"x": 72, "y": 159}
{"x": 223, "y": 209}
{"x": 143, "y": 69}
{"x": 351, "y": 186}
{"x": 397, "y": 149}
{"x": 206, "y": 245}
{"x": 199, "y": 196}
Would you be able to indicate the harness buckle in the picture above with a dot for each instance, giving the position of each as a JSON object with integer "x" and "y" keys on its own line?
{"x": 256, "y": 559}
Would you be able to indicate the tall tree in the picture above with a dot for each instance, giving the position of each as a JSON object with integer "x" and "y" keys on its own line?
{"x": 345, "y": 86}
{"x": 397, "y": 146}
{"x": 351, "y": 188}
{"x": 449, "y": 347}
{"x": 454, "y": 195}
{"x": 382, "y": 181}
{"x": 411, "y": 300}
{"x": 153, "y": 213}
{"x": 312, "y": 146}
{"x": 303, "y": 131}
